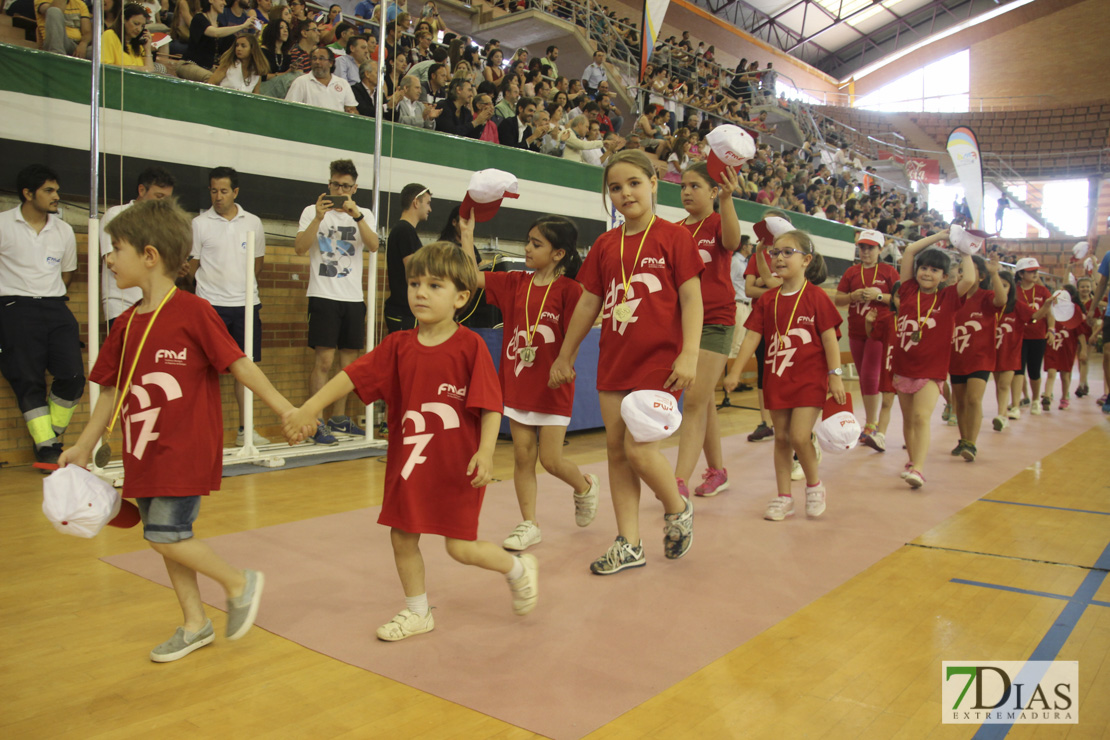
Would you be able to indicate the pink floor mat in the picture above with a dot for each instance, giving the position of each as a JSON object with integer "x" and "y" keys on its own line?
{"x": 596, "y": 647}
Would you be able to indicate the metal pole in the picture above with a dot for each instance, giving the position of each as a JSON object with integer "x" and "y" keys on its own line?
{"x": 94, "y": 193}
{"x": 248, "y": 345}
{"x": 372, "y": 259}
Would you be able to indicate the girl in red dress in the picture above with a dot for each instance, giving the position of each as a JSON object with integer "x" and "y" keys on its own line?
{"x": 716, "y": 236}
{"x": 926, "y": 319}
{"x": 635, "y": 276}
{"x": 1067, "y": 342}
{"x": 536, "y": 308}
{"x": 973, "y": 352}
{"x": 798, "y": 321}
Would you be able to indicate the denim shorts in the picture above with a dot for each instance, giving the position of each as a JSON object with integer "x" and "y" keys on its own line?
{"x": 168, "y": 519}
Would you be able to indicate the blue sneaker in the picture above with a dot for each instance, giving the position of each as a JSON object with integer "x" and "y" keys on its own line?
{"x": 323, "y": 436}
{"x": 1106, "y": 408}
{"x": 345, "y": 425}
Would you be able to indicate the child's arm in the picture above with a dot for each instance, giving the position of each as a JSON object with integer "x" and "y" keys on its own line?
{"x": 970, "y": 278}
{"x": 730, "y": 223}
{"x": 747, "y": 349}
{"x": 685, "y": 365}
{"x": 832, "y": 357}
{"x": 998, "y": 285}
{"x": 906, "y": 270}
{"x": 298, "y": 423}
{"x": 247, "y": 373}
{"x": 770, "y": 282}
{"x": 1100, "y": 291}
{"x": 1082, "y": 348}
{"x": 80, "y": 451}
{"x": 562, "y": 370}
{"x": 481, "y": 465}
{"x": 868, "y": 321}
{"x": 466, "y": 238}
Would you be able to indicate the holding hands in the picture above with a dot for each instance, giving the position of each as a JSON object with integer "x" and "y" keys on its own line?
{"x": 297, "y": 425}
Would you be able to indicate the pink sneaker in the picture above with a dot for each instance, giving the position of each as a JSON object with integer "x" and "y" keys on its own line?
{"x": 1064, "y": 403}
{"x": 682, "y": 489}
{"x": 906, "y": 470}
{"x": 715, "y": 482}
{"x": 915, "y": 478}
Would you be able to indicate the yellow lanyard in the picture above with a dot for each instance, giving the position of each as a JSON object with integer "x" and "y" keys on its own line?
{"x": 874, "y": 275}
{"x": 782, "y": 336}
{"x": 625, "y": 281}
{"x": 700, "y": 224}
{"x": 529, "y": 329}
{"x": 921, "y": 324}
{"x": 121, "y": 391}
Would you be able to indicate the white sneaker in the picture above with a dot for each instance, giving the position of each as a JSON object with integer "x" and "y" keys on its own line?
{"x": 524, "y": 536}
{"x": 1035, "y": 409}
{"x": 815, "y": 500}
{"x": 879, "y": 439}
{"x": 779, "y": 508}
{"x": 585, "y": 504}
{"x": 258, "y": 439}
{"x": 406, "y": 624}
{"x": 999, "y": 423}
{"x": 1013, "y": 412}
{"x": 526, "y": 589}
{"x": 796, "y": 472}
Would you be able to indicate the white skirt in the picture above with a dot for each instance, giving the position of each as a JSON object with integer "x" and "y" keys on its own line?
{"x": 536, "y": 419}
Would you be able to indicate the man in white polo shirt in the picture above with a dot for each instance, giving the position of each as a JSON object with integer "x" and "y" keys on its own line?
{"x": 154, "y": 183}
{"x": 333, "y": 234}
{"x": 38, "y": 334}
{"x": 321, "y": 88}
{"x": 218, "y": 261}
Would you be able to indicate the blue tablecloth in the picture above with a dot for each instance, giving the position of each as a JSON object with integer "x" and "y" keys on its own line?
{"x": 587, "y": 409}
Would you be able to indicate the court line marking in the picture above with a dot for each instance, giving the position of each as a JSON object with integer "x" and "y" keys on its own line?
{"x": 1044, "y": 506}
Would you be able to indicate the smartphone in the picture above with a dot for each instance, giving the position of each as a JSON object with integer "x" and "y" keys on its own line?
{"x": 336, "y": 201}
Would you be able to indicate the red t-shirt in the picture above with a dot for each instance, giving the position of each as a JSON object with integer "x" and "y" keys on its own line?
{"x": 797, "y": 373}
{"x": 973, "y": 340}
{"x": 753, "y": 268}
{"x": 1009, "y": 333}
{"x": 927, "y": 358}
{"x": 435, "y": 396}
{"x": 1035, "y": 297}
{"x": 523, "y": 383}
{"x": 882, "y": 276}
{"x": 717, "y": 294}
{"x": 1062, "y": 348}
{"x": 883, "y": 330}
{"x": 638, "y": 354}
{"x": 1085, "y": 328}
{"x": 172, "y": 420}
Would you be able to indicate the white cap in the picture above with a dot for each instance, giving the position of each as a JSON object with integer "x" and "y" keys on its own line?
{"x": 965, "y": 241}
{"x": 1062, "y": 309}
{"x": 650, "y": 415}
{"x": 870, "y": 236}
{"x": 1027, "y": 263}
{"x": 486, "y": 190}
{"x": 729, "y": 146}
{"x": 1080, "y": 250}
{"x": 771, "y": 228}
{"x": 77, "y": 502}
{"x": 838, "y": 433}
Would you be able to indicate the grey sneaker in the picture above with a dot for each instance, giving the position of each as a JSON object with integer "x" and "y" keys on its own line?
{"x": 585, "y": 505}
{"x": 526, "y": 589}
{"x": 678, "y": 532}
{"x": 406, "y": 624}
{"x": 177, "y": 647}
{"x": 619, "y": 556}
{"x": 241, "y": 611}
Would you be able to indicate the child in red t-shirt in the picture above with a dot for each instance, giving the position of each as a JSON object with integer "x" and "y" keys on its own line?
{"x": 716, "y": 236}
{"x": 926, "y": 319}
{"x": 1067, "y": 342}
{"x": 536, "y": 308}
{"x": 881, "y": 328}
{"x": 159, "y": 368}
{"x": 444, "y": 412}
{"x": 1010, "y": 321}
{"x": 798, "y": 321}
{"x": 1086, "y": 288}
{"x": 636, "y": 276}
{"x": 973, "y": 352}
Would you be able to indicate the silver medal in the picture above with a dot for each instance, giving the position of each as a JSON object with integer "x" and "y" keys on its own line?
{"x": 528, "y": 354}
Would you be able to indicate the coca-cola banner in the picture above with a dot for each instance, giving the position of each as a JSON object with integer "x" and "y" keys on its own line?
{"x": 921, "y": 169}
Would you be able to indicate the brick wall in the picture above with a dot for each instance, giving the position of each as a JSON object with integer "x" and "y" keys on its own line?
{"x": 1054, "y": 255}
{"x": 286, "y": 359}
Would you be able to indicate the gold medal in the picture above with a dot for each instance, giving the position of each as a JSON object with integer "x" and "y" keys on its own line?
{"x": 622, "y": 313}
{"x": 103, "y": 455}
{"x": 528, "y": 354}
{"x": 916, "y": 336}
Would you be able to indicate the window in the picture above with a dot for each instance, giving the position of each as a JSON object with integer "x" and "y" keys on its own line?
{"x": 940, "y": 87}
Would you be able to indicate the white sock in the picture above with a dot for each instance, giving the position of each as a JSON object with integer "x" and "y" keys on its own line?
{"x": 517, "y": 571}
{"x": 418, "y": 605}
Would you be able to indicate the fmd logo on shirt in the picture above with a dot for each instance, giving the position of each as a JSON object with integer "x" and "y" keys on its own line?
{"x": 452, "y": 391}
{"x": 549, "y": 316}
{"x": 652, "y": 262}
{"x": 170, "y": 357}
{"x": 53, "y": 260}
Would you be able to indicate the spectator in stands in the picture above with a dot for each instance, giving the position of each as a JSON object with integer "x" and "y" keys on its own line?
{"x": 179, "y": 28}
{"x": 577, "y": 142}
{"x": 366, "y": 89}
{"x": 549, "y": 60}
{"x": 488, "y": 132}
{"x": 430, "y": 14}
{"x": 494, "y": 71}
{"x": 510, "y": 93}
{"x": 608, "y": 115}
{"x": 241, "y": 67}
{"x": 435, "y": 89}
{"x": 239, "y": 11}
{"x": 411, "y": 110}
{"x": 517, "y": 130}
{"x": 328, "y": 29}
{"x": 398, "y": 68}
{"x": 65, "y": 26}
{"x": 342, "y": 34}
{"x": 543, "y": 89}
{"x": 365, "y": 9}
{"x": 463, "y": 71}
{"x": 334, "y": 238}
{"x": 403, "y": 241}
{"x": 594, "y": 73}
{"x": 127, "y": 42}
{"x": 276, "y": 40}
{"x": 217, "y": 261}
{"x": 204, "y": 35}
{"x": 38, "y": 333}
{"x": 457, "y": 118}
{"x": 422, "y": 52}
{"x": 321, "y": 88}
{"x": 349, "y": 65}
{"x": 300, "y": 54}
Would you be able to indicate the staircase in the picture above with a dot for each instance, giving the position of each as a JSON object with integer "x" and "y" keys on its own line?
{"x": 1030, "y": 205}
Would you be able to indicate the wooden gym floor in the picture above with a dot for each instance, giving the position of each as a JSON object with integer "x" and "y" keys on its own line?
{"x": 862, "y": 661}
